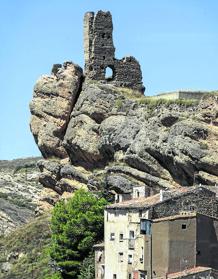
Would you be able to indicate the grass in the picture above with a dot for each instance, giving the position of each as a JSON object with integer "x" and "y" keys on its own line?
{"x": 118, "y": 104}
{"x": 151, "y": 102}
{"x": 30, "y": 243}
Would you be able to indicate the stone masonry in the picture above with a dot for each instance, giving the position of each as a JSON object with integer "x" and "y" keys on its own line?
{"x": 99, "y": 54}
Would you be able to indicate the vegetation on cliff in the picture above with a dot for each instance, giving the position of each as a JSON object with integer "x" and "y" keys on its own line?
{"x": 19, "y": 192}
{"x": 24, "y": 252}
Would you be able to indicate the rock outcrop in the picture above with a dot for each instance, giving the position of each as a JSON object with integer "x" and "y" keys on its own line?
{"x": 115, "y": 138}
{"x": 104, "y": 135}
{"x": 54, "y": 98}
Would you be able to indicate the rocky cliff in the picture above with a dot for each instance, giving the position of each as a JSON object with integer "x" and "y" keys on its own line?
{"x": 19, "y": 192}
{"x": 101, "y": 137}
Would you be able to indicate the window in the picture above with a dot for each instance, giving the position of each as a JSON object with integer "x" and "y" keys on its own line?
{"x": 143, "y": 275}
{"x": 100, "y": 257}
{"x": 140, "y": 213}
{"x": 142, "y": 255}
{"x": 131, "y": 235}
{"x": 129, "y": 259}
{"x": 121, "y": 237}
{"x": 145, "y": 226}
{"x": 112, "y": 237}
{"x": 114, "y": 276}
{"x": 183, "y": 226}
{"x": 131, "y": 241}
{"x": 130, "y": 275}
{"x": 120, "y": 257}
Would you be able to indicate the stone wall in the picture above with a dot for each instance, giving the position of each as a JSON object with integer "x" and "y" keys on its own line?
{"x": 191, "y": 95}
{"x": 201, "y": 201}
{"x": 99, "y": 52}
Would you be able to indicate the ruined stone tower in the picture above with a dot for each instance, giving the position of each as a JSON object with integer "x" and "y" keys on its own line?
{"x": 99, "y": 54}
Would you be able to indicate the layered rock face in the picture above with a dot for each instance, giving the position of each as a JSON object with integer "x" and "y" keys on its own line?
{"x": 104, "y": 135}
{"x": 53, "y": 100}
{"x": 115, "y": 139}
{"x": 19, "y": 192}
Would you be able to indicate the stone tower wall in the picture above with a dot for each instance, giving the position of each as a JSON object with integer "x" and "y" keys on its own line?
{"x": 99, "y": 52}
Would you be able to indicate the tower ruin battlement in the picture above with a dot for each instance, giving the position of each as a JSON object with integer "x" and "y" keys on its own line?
{"x": 99, "y": 52}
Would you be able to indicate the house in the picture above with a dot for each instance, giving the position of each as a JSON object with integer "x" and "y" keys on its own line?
{"x": 160, "y": 235}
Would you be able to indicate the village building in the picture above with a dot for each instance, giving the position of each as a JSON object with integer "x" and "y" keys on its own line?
{"x": 160, "y": 236}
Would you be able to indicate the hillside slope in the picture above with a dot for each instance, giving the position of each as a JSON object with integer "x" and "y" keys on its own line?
{"x": 23, "y": 253}
{"x": 19, "y": 192}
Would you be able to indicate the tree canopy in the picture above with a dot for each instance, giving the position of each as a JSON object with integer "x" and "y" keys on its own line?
{"x": 76, "y": 226}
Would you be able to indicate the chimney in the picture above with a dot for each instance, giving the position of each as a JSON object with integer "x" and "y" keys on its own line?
{"x": 164, "y": 195}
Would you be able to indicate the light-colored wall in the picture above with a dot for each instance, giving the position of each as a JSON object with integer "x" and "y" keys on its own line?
{"x": 123, "y": 221}
{"x": 168, "y": 96}
{"x": 138, "y": 191}
{"x": 181, "y": 95}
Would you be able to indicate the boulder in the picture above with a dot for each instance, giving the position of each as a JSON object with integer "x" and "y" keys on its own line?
{"x": 53, "y": 100}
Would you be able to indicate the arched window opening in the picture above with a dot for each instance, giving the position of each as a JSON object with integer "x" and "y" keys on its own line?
{"x": 109, "y": 73}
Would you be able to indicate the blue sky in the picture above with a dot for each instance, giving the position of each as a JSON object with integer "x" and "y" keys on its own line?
{"x": 176, "y": 42}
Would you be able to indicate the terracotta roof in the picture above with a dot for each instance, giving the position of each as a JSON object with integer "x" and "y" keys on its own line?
{"x": 146, "y": 202}
{"x": 175, "y": 217}
{"x": 186, "y": 272}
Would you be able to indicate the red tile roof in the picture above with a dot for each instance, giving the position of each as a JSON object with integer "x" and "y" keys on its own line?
{"x": 194, "y": 270}
{"x": 144, "y": 202}
{"x": 187, "y": 215}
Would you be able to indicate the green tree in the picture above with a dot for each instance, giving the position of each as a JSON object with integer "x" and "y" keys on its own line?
{"x": 87, "y": 268}
{"x": 76, "y": 226}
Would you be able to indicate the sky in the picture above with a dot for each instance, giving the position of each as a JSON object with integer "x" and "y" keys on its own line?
{"x": 175, "y": 41}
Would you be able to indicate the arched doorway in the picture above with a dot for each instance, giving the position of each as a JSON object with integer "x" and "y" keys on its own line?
{"x": 109, "y": 73}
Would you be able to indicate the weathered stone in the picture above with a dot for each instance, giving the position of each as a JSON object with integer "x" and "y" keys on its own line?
{"x": 100, "y": 54}
{"x": 53, "y": 101}
{"x": 81, "y": 141}
{"x": 189, "y": 129}
{"x": 111, "y": 136}
{"x": 69, "y": 171}
{"x": 121, "y": 183}
{"x": 168, "y": 119}
{"x": 206, "y": 179}
{"x": 117, "y": 133}
{"x": 155, "y": 182}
